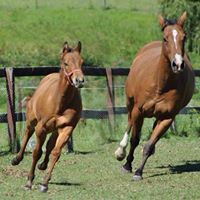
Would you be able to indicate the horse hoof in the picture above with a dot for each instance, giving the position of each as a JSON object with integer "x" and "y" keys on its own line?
{"x": 125, "y": 171}
{"x": 42, "y": 166}
{"x": 43, "y": 188}
{"x": 27, "y": 187}
{"x": 15, "y": 161}
{"x": 137, "y": 178}
{"x": 120, "y": 154}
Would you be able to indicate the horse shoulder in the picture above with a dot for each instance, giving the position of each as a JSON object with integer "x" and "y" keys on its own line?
{"x": 71, "y": 112}
{"x": 189, "y": 83}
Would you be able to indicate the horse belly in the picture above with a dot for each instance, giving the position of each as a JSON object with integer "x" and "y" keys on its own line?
{"x": 148, "y": 109}
{"x": 166, "y": 108}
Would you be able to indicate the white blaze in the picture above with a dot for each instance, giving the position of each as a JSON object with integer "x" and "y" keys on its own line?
{"x": 175, "y": 33}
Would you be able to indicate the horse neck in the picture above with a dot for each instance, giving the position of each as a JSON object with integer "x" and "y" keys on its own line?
{"x": 164, "y": 76}
{"x": 66, "y": 90}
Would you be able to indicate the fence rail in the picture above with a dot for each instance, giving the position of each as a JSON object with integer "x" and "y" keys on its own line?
{"x": 11, "y": 117}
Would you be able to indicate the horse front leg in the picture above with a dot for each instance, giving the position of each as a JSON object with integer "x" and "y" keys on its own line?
{"x": 159, "y": 129}
{"x": 63, "y": 136}
{"x": 120, "y": 153}
{"x": 137, "y": 122}
{"x": 49, "y": 146}
{"x": 28, "y": 133}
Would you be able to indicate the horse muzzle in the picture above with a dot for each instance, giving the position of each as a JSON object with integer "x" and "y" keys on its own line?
{"x": 78, "y": 82}
{"x": 177, "y": 64}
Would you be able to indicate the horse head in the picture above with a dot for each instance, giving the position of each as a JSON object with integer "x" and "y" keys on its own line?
{"x": 174, "y": 41}
{"x": 71, "y": 63}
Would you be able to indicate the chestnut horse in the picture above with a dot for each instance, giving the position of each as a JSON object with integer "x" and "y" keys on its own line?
{"x": 160, "y": 83}
{"x": 54, "y": 107}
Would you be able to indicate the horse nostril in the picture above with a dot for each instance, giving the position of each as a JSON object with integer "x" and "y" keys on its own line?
{"x": 80, "y": 80}
{"x": 182, "y": 65}
{"x": 173, "y": 63}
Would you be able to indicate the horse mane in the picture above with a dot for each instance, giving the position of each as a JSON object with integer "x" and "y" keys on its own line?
{"x": 169, "y": 22}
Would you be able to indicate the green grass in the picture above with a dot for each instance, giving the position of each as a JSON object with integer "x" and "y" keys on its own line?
{"x": 35, "y": 37}
{"x": 111, "y": 37}
{"x": 93, "y": 173}
{"x": 142, "y": 5}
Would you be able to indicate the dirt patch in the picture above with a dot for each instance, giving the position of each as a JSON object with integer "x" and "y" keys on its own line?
{"x": 10, "y": 171}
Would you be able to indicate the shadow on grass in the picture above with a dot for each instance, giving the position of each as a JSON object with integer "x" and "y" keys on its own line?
{"x": 4, "y": 153}
{"x": 84, "y": 152}
{"x": 65, "y": 183}
{"x": 187, "y": 167}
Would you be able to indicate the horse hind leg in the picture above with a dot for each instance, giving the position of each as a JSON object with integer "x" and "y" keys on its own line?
{"x": 160, "y": 128}
{"x": 30, "y": 128}
{"x": 50, "y": 145}
{"x": 37, "y": 153}
{"x": 63, "y": 136}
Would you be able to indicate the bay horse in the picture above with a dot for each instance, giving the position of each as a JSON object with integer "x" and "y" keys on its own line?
{"x": 55, "y": 107}
{"x": 160, "y": 83}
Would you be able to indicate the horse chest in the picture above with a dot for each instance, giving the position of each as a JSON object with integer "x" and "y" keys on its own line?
{"x": 166, "y": 105}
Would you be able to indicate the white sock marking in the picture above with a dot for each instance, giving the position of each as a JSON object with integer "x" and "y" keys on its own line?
{"x": 124, "y": 141}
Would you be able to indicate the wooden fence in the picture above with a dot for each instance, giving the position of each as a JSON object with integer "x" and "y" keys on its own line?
{"x": 11, "y": 117}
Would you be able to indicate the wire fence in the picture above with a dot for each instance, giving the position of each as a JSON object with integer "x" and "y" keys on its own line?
{"x": 94, "y": 96}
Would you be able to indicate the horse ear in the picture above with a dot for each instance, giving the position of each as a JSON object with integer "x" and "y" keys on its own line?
{"x": 78, "y": 48}
{"x": 161, "y": 21}
{"x": 66, "y": 47}
{"x": 182, "y": 19}
{"x": 64, "y": 50}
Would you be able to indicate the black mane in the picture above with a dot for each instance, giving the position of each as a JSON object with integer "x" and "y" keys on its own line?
{"x": 169, "y": 22}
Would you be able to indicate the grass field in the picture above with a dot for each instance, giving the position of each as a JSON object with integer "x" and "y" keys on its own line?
{"x": 35, "y": 37}
{"x": 93, "y": 173}
{"x": 32, "y": 33}
{"x": 111, "y": 37}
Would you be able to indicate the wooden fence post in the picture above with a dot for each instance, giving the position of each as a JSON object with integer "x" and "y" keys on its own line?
{"x": 10, "y": 86}
{"x": 104, "y": 4}
{"x": 110, "y": 98}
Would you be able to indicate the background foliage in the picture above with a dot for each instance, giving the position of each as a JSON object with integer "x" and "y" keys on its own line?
{"x": 192, "y": 25}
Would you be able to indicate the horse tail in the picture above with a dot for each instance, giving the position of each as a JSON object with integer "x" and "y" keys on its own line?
{"x": 24, "y": 101}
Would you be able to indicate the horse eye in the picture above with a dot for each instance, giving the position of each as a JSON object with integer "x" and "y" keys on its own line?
{"x": 65, "y": 64}
{"x": 164, "y": 39}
